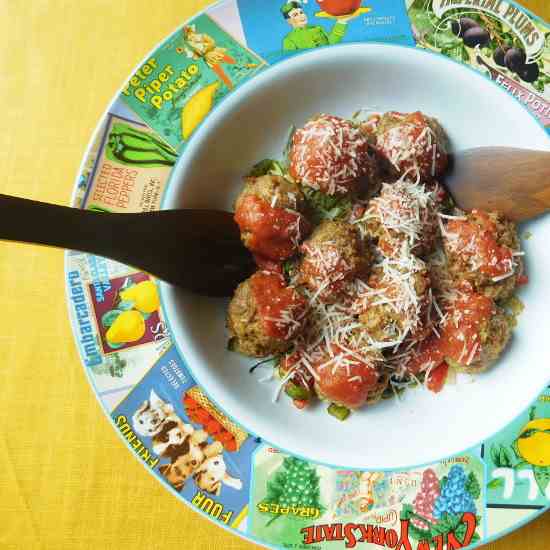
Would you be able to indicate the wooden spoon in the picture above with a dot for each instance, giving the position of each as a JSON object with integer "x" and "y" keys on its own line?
{"x": 515, "y": 182}
{"x": 201, "y": 250}
{"x": 198, "y": 250}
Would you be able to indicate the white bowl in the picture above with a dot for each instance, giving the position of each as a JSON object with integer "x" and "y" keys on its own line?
{"x": 252, "y": 124}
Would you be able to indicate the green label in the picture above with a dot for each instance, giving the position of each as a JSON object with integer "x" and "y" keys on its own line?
{"x": 480, "y": 34}
{"x": 298, "y": 504}
{"x": 180, "y": 83}
{"x": 518, "y": 459}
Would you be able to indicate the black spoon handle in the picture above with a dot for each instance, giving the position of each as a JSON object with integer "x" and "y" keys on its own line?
{"x": 49, "y": 224}
{"x": 199, "y": 250}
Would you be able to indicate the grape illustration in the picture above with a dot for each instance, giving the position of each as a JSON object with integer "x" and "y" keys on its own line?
{"x": 295, "y": 483}
{"x": 460, "y": 26}
{"x": 426, "y": 498}
{"x": 529, "y": 72}
{"x": 514, "y": 59}
{"x": 454, "y": 498}
{"x": 471, "y": 32}
{"x": 476, "y": 36}
{"x": 499, "y": 54}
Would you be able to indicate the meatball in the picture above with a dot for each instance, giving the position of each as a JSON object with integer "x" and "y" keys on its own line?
{"x": 443, "y": 284}
{"x": 475, "y": 333}
{"x": 424, "y": 356}
{"x": 331, "y": 155}
{"x": 483, "y": 249}
{"x": 265, "y": 315}
{"x": 333, "y": 256}
{"x": 405, "y": 213}
{"x": 411, "y": 141}
{"x": 269, "y": 212}
{"x": 394, "y": 303}
{"x": 348, "y": 378}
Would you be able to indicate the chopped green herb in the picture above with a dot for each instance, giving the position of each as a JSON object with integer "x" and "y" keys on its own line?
{"x": 288, "y": 146}
{"x": 294, "y": 391}
{"x": 266, "y": 166}
{"x": 338, "y": 411}
{"x": 327, "y": 207}
{"x": 289, "y": 267}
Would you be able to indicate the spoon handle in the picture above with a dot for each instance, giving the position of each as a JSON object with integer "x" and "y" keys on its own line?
{"x": 199, "y": 250}
{"x": 50, "y": 224}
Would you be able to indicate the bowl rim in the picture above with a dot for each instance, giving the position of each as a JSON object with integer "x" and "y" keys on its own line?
{"x": 221, "y": 110}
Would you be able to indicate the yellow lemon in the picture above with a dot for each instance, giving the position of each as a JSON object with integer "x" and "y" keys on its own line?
{"x": 129, "y": 326}
{"x": 198, "y": 106}
{"x": 144, "y": 295}
{"x": 534, "y": 442}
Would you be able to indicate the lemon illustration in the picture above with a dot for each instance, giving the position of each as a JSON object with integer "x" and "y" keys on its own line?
{"x": 129, "y": 326}
{"x": 533, "y": 442}
{"x": 198, "y": 106}
{"x": 144, "y": 295}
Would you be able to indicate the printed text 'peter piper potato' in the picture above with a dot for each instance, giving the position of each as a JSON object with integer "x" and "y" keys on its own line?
{"x": 150, "y": 85}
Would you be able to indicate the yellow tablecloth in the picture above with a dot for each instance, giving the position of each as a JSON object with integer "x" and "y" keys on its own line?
{"x": 66, "y": 479}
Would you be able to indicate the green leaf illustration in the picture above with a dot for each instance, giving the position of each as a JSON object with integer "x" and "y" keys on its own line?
{"x": 515, "y": 448}
{"x": 506, "y": 459}
{"x": 107, "y": 319}
{"x": 126, "y": 305}
{"x": 495, "y": 454}
{"x": 542, "y": 477}
{"x": 296, "y": 484}
{"x": 114, "y": 346}
{"x": 472, "y": 486}
{"x": 496, "y": 483}
{"x": 447, "y": 524}
{"x": 407, "y": 513}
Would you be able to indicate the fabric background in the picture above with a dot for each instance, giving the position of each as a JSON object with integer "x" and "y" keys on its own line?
{"x": 66, "y": 479}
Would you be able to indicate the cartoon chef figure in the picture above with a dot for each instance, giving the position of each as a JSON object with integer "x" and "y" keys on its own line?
{"x": 304, "y": 36}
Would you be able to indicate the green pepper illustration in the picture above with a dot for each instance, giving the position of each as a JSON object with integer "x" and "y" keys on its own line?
{"x": 129, "y": 146}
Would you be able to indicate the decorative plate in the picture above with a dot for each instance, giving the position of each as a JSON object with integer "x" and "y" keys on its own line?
{"x": 138, "y": 368}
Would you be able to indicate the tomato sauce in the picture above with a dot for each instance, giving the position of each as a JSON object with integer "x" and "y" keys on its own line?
{"x": 437, "y": 377}
{"x": 280, "y": 308}
{"x": 477, "y": 238}
{"x": 462, "y": 331}
{"x": 267, "y": 264}
{"x": 348, "y": 386}
{"x": 275, "y": 232}
{"x": 460, "y": 338}
{"x": 429, "y": 353}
